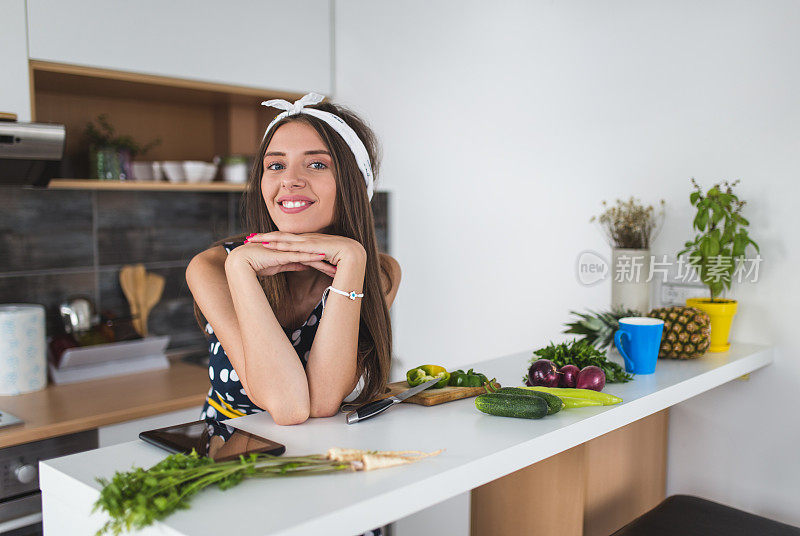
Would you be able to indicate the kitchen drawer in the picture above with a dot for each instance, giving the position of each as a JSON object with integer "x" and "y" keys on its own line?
{"x": 256, "y": 43}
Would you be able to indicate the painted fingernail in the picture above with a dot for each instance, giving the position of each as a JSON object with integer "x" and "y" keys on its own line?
{"x": 322, "y": 254}
{"x": 251, "y": 235}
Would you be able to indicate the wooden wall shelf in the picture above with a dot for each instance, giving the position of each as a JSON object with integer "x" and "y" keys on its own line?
{"x": 194, "y": 120}
{"x": 89, "y": 184}
{"x": 78, "y": 79}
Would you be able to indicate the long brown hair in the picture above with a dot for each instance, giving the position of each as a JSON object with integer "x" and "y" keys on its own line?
{"x": 352, "y": 218}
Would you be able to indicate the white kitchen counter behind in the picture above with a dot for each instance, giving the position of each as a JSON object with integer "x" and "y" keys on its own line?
{"x": 478, "y": 448}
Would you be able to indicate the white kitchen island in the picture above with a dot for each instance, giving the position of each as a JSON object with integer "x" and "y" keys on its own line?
{"x": 479, "y": 448}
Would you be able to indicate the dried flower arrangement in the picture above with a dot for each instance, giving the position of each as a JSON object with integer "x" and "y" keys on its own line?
{"x": 630, "y": 225}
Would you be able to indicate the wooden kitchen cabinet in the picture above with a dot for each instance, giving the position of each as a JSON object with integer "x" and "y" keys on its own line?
{"x": 281, "y": 45}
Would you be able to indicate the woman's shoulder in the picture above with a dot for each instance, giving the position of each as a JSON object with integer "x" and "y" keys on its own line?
{"x": 215, "y": 254}
{"x": 390, "y": 275}
{"x": 209, "y": 263}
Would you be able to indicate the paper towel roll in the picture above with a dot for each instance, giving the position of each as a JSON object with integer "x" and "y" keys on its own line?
{"x": 23, "y": 366}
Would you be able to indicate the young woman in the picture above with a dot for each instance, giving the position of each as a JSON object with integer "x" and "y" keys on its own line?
{"x": 311, "y": 249}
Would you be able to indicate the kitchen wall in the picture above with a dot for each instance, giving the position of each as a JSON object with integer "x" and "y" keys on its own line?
{"x": 503, "y": 128}
{"x": 15, "y": 94}
{"x": 60, "y": 243}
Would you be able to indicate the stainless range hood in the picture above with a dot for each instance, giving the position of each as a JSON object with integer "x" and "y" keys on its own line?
{"x": 30, "y": 153}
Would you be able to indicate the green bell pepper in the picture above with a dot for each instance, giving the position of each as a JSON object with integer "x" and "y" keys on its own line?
{"x": 424, "y": 373}
{"x": 459, "y": 378}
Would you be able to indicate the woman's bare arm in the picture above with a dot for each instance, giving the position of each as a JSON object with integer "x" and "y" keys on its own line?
{"x": 277, "y": 378}
{"x": 208, "y": 284}
{"x": 331, "y": 365}
{"x": 215, "y": 277}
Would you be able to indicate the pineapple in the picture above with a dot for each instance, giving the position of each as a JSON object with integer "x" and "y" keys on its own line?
{"x": 598, "y": 328}
{"x": 687, "y": 332}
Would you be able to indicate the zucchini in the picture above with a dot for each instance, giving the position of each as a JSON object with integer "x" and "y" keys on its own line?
{"x": 554, "y": 403}
{"x": 579, "y": 402}
{"x": 571, "y": 392}
{"x": 510, "y": 405}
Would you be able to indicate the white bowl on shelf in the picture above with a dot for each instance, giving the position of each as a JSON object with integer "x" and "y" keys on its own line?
{"x": 196, "y": 171}
{"x": 158, "y": 171}
{"x": 174, "y": 171}
{"x": 142, "y": 171}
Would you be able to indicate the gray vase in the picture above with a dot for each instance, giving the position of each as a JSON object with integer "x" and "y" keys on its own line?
{"x": 630, "y": 269}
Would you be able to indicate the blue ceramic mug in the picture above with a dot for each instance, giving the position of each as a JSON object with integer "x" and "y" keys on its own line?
{"x": 638, "y": 340}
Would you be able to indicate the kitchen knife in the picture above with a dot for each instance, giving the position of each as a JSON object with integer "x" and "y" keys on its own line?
{"x": 371, "y": 409}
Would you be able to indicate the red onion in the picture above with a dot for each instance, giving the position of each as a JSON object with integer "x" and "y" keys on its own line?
{"x": 543, "y": 373}
{"x": 591, "y": 377}
{"x": 568, "y": 376}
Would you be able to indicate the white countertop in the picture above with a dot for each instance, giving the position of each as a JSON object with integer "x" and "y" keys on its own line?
{"x": 479, "y": 448}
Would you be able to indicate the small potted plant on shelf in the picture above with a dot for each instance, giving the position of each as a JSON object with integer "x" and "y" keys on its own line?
{"x": 716, "y": 252}
{"x": 630, "y": 228}
{"x": 109, "y": 154}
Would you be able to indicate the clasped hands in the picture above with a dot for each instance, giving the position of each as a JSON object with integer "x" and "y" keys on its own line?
{"x": 275, "y": 252}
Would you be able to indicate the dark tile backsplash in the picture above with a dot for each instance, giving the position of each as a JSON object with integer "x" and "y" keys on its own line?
{"x": 158, "y": 226}
{"x": 45, "y": 229}
{"x": 49, "y": 289}
{"x": 173, "y": 315}
{"x": 56, "y": 244}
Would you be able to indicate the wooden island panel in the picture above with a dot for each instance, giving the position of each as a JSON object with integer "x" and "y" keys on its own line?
{"x": 592, "y": 489}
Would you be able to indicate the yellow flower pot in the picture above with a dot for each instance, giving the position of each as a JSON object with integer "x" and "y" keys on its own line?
{"x": 721, "y": 314}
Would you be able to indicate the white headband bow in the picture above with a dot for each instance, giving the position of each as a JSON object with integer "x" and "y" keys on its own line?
{"x": 334, "y": 121}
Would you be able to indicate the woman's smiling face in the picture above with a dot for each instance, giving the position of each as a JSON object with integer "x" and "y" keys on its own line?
{"x": 298, "y": 185}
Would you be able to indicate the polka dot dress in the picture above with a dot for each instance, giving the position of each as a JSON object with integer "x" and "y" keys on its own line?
{"x": 226, "y": 398}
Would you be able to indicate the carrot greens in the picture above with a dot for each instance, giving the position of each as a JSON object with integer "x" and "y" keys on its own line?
{"x": 136, "y": 498}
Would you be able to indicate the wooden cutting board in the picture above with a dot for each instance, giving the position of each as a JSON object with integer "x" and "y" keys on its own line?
{"x": 432, "y": 396}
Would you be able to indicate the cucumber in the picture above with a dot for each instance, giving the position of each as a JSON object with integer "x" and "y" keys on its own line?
{"x": 509, "y": 405}
{"x": 554, "y": 403}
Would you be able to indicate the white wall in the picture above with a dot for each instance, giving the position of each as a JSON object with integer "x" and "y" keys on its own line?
{"x": 15, "y": 91}
{"x": 256, "y": 43}
{"x": 504, "y": 125}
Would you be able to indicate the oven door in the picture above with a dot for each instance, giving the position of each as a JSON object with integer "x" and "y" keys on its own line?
{"x": 21, "y": 515}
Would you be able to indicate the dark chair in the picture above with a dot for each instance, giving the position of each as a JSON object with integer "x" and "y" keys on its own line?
{"x": 685, "y": 515}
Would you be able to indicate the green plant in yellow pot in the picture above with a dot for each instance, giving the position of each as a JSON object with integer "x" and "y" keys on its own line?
{"x": 716, "y": 252}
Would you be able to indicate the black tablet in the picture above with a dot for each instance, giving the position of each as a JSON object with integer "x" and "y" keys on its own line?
{"x": 211, "y": 438}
